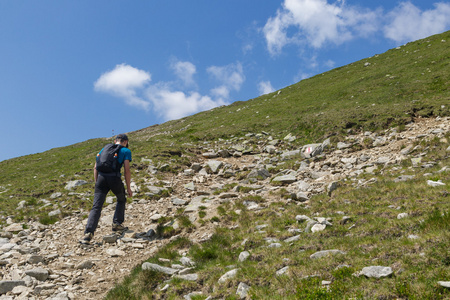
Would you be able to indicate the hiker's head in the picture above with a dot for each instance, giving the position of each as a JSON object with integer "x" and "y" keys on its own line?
{"x": 122, "y": 139}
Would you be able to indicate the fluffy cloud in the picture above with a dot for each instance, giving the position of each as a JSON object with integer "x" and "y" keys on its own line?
{"x": 230, "y": 78}
{"x": 316, "y": 22}
{"x": 185, "y": 71}
{"x": 124, "y": 81}
{"x": 176, "y": 104}
{"x": 265, "y": 87}
{"x": 407, "y": 22}
{"x": 127, "y": 82}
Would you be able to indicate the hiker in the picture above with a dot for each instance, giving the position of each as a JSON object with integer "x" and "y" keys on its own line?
{"x": 107, "y": 177}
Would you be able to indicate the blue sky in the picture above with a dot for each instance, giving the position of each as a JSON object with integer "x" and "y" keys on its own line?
{"x": 76, "y": 70}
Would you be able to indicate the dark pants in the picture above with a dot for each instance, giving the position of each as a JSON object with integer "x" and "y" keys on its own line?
{"x": 103, "y": 185}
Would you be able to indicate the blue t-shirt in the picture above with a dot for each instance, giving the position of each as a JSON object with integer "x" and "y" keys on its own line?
{"x": 124, "y": 154}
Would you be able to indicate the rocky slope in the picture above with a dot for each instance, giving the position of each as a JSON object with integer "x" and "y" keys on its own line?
{"x": 48, "y": 262}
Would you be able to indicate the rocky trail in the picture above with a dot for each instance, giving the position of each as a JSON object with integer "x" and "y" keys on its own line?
{"x": 48, "y": 262}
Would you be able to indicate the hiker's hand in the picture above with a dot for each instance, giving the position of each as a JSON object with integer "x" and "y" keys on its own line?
{"x": 130, "y": 192}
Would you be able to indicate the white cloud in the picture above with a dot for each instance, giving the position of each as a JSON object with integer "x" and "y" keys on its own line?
{"x": 185, "y": 71}
{"x": 330, "y": 63}
{"x": 407, "y": 22}
{"x": 230, "y": 77}
{"x": 176, "y": 104}
{"x": 316, "y": 23}
{"x": 123, "y": 82}
{"x": 265, "y": 87}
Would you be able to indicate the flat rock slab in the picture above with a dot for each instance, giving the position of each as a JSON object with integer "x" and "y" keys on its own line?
{"x": 324, "y": 253}
{"x": 445, "y": 284}
{"x": 377, "y": 272}
{"x": 228, "y": 275}
{"x": 188, "y": 277}
{"x": 38, "y": 273}
{"x": 286, "y": 179}
{"x": 158, "y": 268}
{"x": 8, "y": 285}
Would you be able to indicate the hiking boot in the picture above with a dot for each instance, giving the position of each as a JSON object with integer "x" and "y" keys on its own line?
{"x": 119, "y": 227}
{"x": 87, "y": 238}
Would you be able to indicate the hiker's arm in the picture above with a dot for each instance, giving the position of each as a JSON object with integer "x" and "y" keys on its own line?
{"x": 95, "y": 173}
{"x": 127, "y": 174}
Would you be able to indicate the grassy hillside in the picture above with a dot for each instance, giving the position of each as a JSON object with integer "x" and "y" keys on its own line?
{"x": 384, "y": 90}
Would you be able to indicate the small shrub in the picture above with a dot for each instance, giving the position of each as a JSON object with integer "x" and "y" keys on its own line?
{"x": 215, "y": 219}
{"x": 47, "y": 220}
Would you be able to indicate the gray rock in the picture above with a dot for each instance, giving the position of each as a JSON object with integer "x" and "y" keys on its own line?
{"x": 190, "y": 186}
{"x": 435, "y": 183}
{"x": 285, "y": 179}
{"x": 210, "y": 155}
{"x": 376, "y": 272}
{"x": 445, "y": 284}
{"x": 303, "y": 186}
{"x": 196, "y": 167}
{"x": 242, "y": 290}
{"x": 282, "y": 271}
{"x": 228, "y": 275}
{"x": 110, "y": 238}
{"x": 40, "y": 274}
{"x": 224, "y": 153}
{"x": 318, "y": 227}
{"x": 406, "y": 150}
{"x": 9, "y": 285}
{"x": 15, "y": 227}
{"x": 292, "y": 239}
{"x": 416, "y": 161}
{"x": 259, "y": 174}
{"x": 158, "y": 268}
{"x": 289, "y": 154}
{"x": 87, "y": 264}
{"x": 332, "y": 187}
{"x": 402, "y": 178}
{"x": 341, "y": 145}
{"x": 243, "y": 256}
{"x": 290, "y": 138}
{"x": 301, "y": 196}
{"x": 115, "y": 252}
{"x": 188, "y": 277}
{"x": 382, "y": 160}
{"x": 228, "y": 195}
{"x": 274, "y": 245}
{"x": 178, "y": 201}
{"x": 324, "y": 253}
{"x": 35, "y": 259}
{"x": 72, "y": 184}
{"x": 55, "y": 212}
{"x": 55, "y": 195}
{"x": 186, "y": 261}
{"x": 402, "y": 216}
{"x": 311, "y": 150}
{"x": 214, "y": 165}
{"x": 270, "y": 149}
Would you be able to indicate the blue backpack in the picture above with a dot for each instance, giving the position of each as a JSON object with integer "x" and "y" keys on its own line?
{"x": 107, "y": 160}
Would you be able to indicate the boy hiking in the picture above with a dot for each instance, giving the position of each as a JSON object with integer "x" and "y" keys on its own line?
{"x": 108, "y": 178}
